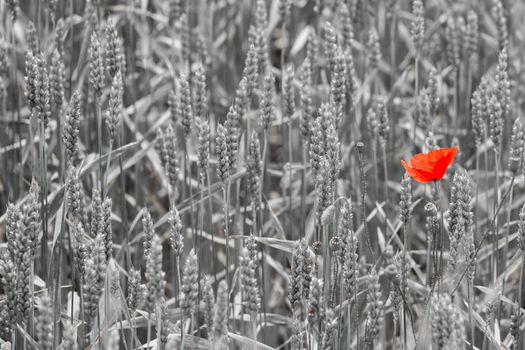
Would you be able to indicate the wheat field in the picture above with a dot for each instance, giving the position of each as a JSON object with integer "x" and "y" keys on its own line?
{"x": 262, "y": 174}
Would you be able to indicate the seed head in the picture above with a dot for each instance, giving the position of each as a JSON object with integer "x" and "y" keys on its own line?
{"x": 357, "y": 10}
{"x": 254, "y": 170}
{"x": 37, "y": 83}
{"x": 174, "y": 106}
{"x": 502, "y": 89}
{"x": 154, "y": 291}
{"x": 81, "y": 255}
{"x": 329, "y": 42}
{"x": 220, "y": 316}
{"x": 448, "y": 330}
{"x": 432, "y": 89}
{"x": 261, "y": 26}
{"x": 496, "y": 121}
{"x": 200, "y": 95}
{"x": 374, "y": 49}
{"x": 347, "y": 27}
{"x": 30, "y": 224}
{"x": 351, "y": 76}
{"x": 307, "y": 109}
{"x": 478, "y": 117}
{"x": 375, "y": 307}
{"x": 185, "y": 104}
{"x": 453, "y": 37}
{"x": 345, "y": 228}
{"x": 166, "y": 146}
{"x": 288, "y": 92}
{"x": 95, "y": 276}
{"x": 267, "y": 106}
{"x": 134, "y": 290}
{"x": 338, "y": 84}
{"x": 319, "y": 136}
{"x": 232, "y": 138}
{"x": 185, "y": 37}
{"x": 461, "y": 219}
{"x": 14, "y": 8}
{"x": 60, "y": 34}
{"x": 107, "y": 232}
{"x": 422, "y": 112}
{"x": 56, "y": 81}
{"x": 4, "y": 63}
{"x": 516, "y": 147}
{"x": 417, "y": 28}
{"x": 284, "y": 9}
{"x": 240, "y": 103}
{"x": 176, "y": 237}
{"x": 13, "y": 217}
{"x": 96, "y": 212}
{"x": 300, "y": 277}
{"x": 209, "y": 304}
{"x": 71, "y": 128}
{"x": 297, "y": 338}
{"x": 69, "y": 337}
{"x": 203, "y": 149}
{"x": 382, "y": 118}
{"x": 372, "y": 123}
{"x": 148, "y": 231}
{"x": 250, "y": 289}
{"x": 75, "y": 196}
{"x": 96, "y": 65}
{"x": 515, "y": 321}
{"x": 312, "y": 48}
{"x": 164, "y": 326}
{"x": 250, "y": 72}
{"x": 324, "y": 189}
{"x": 315, "y": 301}
{"x": 189, "y": 288}
{"x": 114, "y": 111}
{"x": 350, "y": 268}
{"x": 405, "y": 203}
{"x": 498, "y": 11}
{"x": 221, "y": 148}
{"x": 44, "y": 322}
{"x": 472, "y": 34}
{"x": 115, "y": 57}
{"x": 521, "y": 229}
{"x": 32, "y": 37}
{"x": 8, "y": 277}
{"x": 330, "y": 332}
{"x": 461, "y": 208}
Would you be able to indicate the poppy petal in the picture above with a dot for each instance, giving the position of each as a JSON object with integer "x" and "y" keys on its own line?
{"x": 423, "y": 161}
{"x": 445, "y": 161}
{"x": 409, "y": 169}
{"x": 417, "y": 174}
{"x": 431, "y": 166}
{"x": 428, "y": 161}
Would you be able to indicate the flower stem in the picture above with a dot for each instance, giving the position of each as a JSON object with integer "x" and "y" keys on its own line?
{"x": 441, "y": 237}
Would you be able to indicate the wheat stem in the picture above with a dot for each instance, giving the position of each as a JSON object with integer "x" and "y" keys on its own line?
{"x": 98, "y": 116}
{"x": 254, "y": 332}
{"x": 470, "y": 296}
{"x": 212, "y": 231}
{"x": 495, "y": 235}
{"x": 43, "y": 175}
{"x": 385, "y": 188}
{"x": 106, "y": 174}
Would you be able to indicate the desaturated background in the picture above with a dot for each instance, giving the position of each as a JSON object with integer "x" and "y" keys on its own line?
{"x": 253, "y": 124}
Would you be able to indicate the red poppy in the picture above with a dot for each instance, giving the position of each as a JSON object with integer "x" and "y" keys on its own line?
{"x": 431, "y": 166}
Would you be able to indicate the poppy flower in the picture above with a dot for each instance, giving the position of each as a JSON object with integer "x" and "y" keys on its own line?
{"x": 431, "y": 166}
